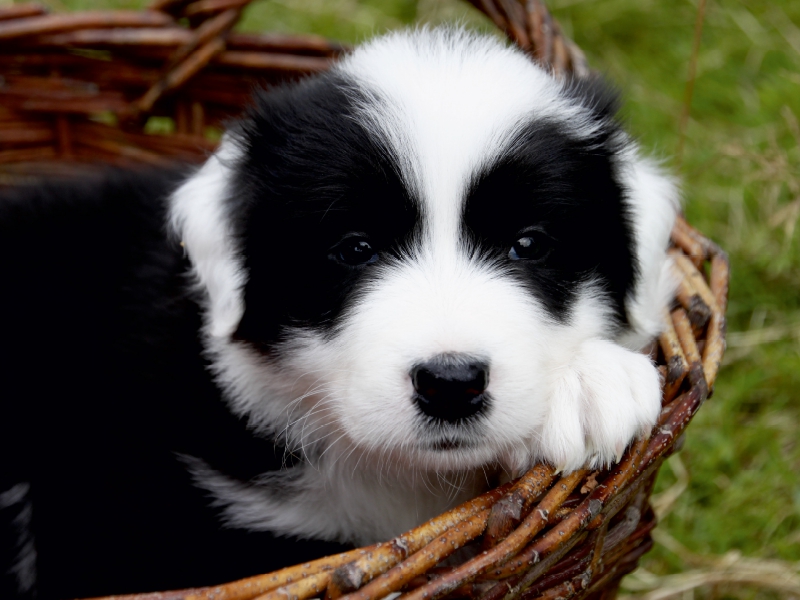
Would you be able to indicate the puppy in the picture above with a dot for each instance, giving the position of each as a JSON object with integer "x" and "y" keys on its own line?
{"x": 433, "y": 266}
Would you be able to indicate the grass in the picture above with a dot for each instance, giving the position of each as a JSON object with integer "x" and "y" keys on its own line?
{"x": 741, "y": 177}
{"x": 731, "y": 501}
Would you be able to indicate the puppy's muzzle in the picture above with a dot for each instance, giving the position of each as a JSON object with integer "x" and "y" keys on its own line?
{"x": 451, "y": 387}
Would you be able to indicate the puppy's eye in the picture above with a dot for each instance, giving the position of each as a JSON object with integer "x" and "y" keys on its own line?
{"x": 354, "y": 250}
{"x": 533, "y": 245}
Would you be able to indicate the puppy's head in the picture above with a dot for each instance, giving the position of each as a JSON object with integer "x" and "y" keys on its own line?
{"x": 398, "y": 255}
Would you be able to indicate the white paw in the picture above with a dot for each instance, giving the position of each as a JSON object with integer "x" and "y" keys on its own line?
{"x": 602, "y": 398}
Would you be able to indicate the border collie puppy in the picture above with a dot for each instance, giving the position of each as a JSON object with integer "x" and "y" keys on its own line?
{"x": 432, "y": 266}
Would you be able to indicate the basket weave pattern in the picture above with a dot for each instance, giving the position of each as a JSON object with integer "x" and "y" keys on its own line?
{"x": 77, "y": 89}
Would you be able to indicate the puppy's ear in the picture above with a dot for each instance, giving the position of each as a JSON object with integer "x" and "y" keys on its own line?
{"x": 652, "y": 202}
{"x": 200, "y": 219}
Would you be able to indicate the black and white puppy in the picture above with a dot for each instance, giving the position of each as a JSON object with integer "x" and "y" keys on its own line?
{"x": 432, "y": 265}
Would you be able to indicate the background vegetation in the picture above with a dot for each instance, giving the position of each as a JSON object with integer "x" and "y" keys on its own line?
{"x": 730, "y": 502}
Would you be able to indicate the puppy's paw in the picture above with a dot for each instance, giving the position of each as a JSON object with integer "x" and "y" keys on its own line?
{"x": 602, "y": 398}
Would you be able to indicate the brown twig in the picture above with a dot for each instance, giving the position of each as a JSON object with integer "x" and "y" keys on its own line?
{"x": 475, "y": 567}
{"x": 17, "y": 28}
{"x": 698, "y": 311}
{"x": 268, "y": 61}
{"x": 684, "y": 240}
{"x": 683, "y": 328}
{"x": 213, "y": 7}
{"x": 424, "y": 559}
{"x": 677, "y": 366}
{"x": 511, "y": 509}
{"x": 697, "y": 282}
{"x": 181, "y": 73}
{"x": 311, "y": 45}
{"x": 387, "y": 555}
{"x": 21, "y": 11}
{"x": 578, "y": 519}
{"x": 715, "y": 338}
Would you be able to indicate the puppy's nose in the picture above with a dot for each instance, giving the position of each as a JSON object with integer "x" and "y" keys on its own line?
{"x": 451, "y": 387}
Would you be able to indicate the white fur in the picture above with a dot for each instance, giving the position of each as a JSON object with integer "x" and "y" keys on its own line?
{"x": 198, "y": 217}
{"x": 338, "y": 502}
{"x": 654, "y": 202}
{"x": 571, "y": 393}
{"x": 448, "y": 102}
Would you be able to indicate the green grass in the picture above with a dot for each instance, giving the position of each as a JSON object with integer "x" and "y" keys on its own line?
{"x": 741, "y": 180}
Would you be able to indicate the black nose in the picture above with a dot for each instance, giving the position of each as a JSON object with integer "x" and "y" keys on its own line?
{"x": 451, "y": 387}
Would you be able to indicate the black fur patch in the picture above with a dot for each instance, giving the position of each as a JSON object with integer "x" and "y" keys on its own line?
{"x": 567, "y": 189}
{"x": 103, "y": 386}
{"x": 311, "y": 175}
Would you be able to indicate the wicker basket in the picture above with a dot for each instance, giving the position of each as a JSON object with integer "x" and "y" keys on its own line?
{"x": 77, "y": 89}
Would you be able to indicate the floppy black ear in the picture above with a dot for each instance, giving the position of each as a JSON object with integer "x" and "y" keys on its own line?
{"x": 310, "y": 173}
{"x": 596, "y": 94}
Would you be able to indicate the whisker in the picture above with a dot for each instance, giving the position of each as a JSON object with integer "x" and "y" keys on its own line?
{"x": 332, "y": 445}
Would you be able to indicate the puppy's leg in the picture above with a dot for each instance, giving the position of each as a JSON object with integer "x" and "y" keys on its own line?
{"x": 603, "y": 396}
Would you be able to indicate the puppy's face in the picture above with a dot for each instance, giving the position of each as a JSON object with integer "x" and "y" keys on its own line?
{"x": 418, "y": 248}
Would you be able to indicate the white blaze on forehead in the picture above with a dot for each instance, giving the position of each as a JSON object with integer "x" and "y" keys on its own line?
{"x": 447, "y": 102}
